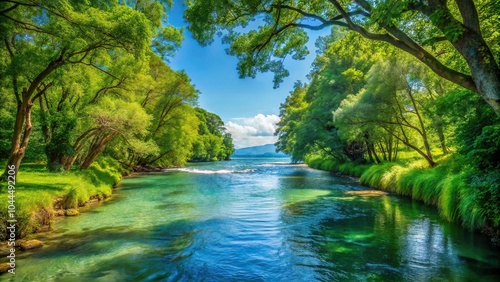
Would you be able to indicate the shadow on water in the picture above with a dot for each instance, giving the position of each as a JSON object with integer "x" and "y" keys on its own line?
{"x": 119, "y": 253}
{"x": 399, "y": 242}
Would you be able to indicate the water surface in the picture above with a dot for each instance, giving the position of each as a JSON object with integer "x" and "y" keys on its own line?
{"x": 256, "y": 220}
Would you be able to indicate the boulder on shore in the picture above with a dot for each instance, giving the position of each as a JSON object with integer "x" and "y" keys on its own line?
{"x": 4, "y": 250}
{"x": 72, "y": 212}
{"x": 4, "y": 267}
{"x": 30, "y": 244}
{"x": 60, "y": 212}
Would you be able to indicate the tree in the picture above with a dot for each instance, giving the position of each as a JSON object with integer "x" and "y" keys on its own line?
{"x": 306, "y": 124}
{"x": 130, "y": 125}
{"x": 291, "y": 114}
{"x": 389, "y": 103}
{"x": 169, "y": 97}
{"x": 60, "y": 34}
{"x": 421, "y": 28}
{"x": 213, "y": 142}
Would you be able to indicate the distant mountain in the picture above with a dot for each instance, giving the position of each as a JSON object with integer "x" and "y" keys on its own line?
{"x": 264, "y": 151}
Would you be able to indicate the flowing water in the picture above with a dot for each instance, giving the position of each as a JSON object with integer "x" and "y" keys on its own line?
{"x": 256, "y": 220}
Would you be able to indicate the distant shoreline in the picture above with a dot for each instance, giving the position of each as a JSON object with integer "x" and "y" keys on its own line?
{"x": 266, "y": 155}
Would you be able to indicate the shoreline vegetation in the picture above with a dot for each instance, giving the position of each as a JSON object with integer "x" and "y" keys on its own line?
{"x": 445, "y": 187}
{"x": 42, "y": 195}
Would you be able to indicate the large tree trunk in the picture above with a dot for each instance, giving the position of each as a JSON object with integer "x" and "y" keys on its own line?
{"x": 484, "y": 70}
{"x": 20, "y": 138}
{"x": 22, "y": 125}
{"x": 67, "y": 161}
{"x": 96, "y": 149}
{"x": 471, "y": 45}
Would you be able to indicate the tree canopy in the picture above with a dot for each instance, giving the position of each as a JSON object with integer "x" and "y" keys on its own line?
{"x": 430, "y": 31}
{"x": 99, "y": 84}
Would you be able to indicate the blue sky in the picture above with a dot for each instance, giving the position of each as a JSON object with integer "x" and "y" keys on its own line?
{"x": 249, "y": 107}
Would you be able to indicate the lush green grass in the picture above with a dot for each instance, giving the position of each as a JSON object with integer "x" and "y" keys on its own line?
{"x": 446, "y": 186}
{"x": 36, "y": 190}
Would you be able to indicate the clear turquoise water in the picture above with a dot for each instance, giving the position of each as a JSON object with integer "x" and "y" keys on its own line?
{"x": 256, "y": 220}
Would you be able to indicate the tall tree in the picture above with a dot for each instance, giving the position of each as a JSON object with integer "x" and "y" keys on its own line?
{"x": 291, "y": 114}
{"x": 389, "y": 103}
{"x": 59, "y": 34}
{"x": 213, "y": 143}
{"x": 169, "y": 98}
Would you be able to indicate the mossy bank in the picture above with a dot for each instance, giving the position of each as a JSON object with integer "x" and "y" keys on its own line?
{"x": 40, "y": 195}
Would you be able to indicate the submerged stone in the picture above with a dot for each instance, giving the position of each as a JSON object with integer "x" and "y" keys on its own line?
{"x": 367, "y": 193}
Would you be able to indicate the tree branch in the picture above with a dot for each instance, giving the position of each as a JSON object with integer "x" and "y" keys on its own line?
{"x": 9, "y": 9}
{"x": 469, "y": 15}
{"x": 400, "y": 40}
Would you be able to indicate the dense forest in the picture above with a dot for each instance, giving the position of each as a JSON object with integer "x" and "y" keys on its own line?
{"x": 404, "y": 94}
{"x": 80, "y": 79}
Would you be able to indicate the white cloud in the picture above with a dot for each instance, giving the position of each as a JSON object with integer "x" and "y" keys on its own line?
{"x": 254, "y": 131}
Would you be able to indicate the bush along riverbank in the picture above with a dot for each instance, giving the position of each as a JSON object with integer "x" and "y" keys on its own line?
{"x": 460, "y": 194}
{"x": 40, "y": 195}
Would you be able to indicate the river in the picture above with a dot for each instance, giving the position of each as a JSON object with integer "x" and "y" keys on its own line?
{"x": 256, "y": 220}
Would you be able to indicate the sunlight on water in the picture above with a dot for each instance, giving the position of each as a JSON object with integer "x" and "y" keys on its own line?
{"x": 257, "y": 220}
{"x": 294, "y": 196}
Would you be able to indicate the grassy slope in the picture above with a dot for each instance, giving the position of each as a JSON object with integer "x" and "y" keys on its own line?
{"x": 36, "y": 190}
{"x": 443, "y": 186}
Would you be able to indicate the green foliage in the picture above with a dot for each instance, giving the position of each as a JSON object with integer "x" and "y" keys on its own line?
{"x": 213, "y": 143}
{"x": 458, "y": 199}
{"x": 59, "y": 143}
{"x": 36, "y": 193}
{"x": 291, "y": 114}
{"x": 373, "y": 175}
{"x": 487, "y": 191}
{"x": 329, "y": 164}
{"x": 449, "y": 198}
{"x": 6, "y": 125}
{"x": 99, "y": 85}
{"x": 306, "y": 125}
{"x": 415, "y": 27}
{"x": 485, "y": 153}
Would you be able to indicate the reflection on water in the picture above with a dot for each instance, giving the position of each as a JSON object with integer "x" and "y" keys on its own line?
{"x": 257, "y": 220}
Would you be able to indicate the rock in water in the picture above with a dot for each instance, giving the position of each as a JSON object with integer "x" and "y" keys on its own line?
{"x": 367, "y": 193}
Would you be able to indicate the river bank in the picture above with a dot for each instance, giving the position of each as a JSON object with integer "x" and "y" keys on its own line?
{"x": 41, "y": 196}
{"x": 445, "y": 186}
